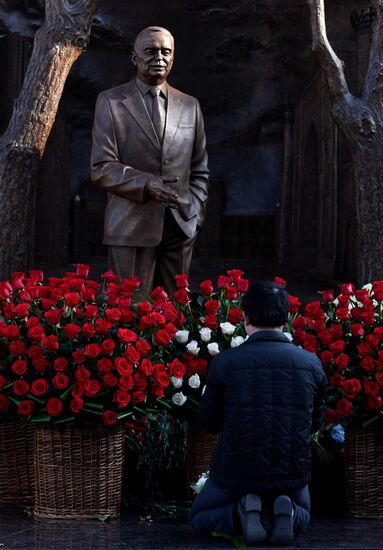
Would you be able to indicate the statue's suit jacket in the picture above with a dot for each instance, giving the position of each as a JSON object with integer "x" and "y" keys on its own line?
{"x": 126, "y": 153}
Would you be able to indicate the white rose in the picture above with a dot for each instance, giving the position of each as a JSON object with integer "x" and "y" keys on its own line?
{"x": 177, "y": 382}
{"x": 205, "y": 333}
{"x": 179, "y": 399}
{"x": 192, "y": 347}
{"x": 194, "y": 381}
{"x": 289, "y": 336}
{"x": 203, "y": 389}
{"x": 236, "y": 341}
{"x": 213, "y": 348}
{"x": 368, "y": 287}
{"x": 182, "y": 336}
{"x": 227, "y": 328}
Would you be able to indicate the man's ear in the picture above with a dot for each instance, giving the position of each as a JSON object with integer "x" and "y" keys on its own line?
{"x": 246, "y": 319}
{"x": 134, "y": 58}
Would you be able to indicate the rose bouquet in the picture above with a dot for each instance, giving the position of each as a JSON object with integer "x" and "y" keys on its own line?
{"x": 71, "y": 348}
{"x": 347, "y": 335}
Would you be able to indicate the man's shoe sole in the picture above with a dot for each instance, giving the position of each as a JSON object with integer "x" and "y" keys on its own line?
{"x": 282, "y": 532}
{"x": 254, "y": 532}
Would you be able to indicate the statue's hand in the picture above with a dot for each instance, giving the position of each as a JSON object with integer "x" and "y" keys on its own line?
{"x": 159, "y": 190}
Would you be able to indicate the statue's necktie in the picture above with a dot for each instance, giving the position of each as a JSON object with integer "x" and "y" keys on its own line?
{"x": 158, "y": 116}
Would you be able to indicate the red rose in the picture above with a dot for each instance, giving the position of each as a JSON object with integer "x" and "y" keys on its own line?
{"x": 176, "y": 368}
{"x": 212, "y": 306}
{"x": 373, "y": 341}
{"x": 159, "y": 295}
{"x": 157, "y": 391}
{"x": 280, "y": 282}
{"x": 109, "y": 418}
{"x": 47, "y": 304}
{"x": 352, "y": 387}
{"x": 343, "y": 314}
{"x": 162, "y": 338}
{"x": 324, "y": 337}
{"x": 362, "y": 295}
{"x": 60, "y": 381}
{"x": 123, "y": 366}
{"x": 327, "y": 295}
{"x": 122, "y": 398}
{"x": 4, "y": 402}
{"x": 34, "y": 352}
{"x": 76, "y": 404}
{"x": 143, "y": 347}
{"x": 92, "y": 387}
{"x": 374, "y": 402}
{"x": 105, "y": 365}
{"x": 330, "y": 416}
{"x": 39, "y": 387}
{"x": 92, "y": 351}
{"x": 72, "y": 299}
{"x": 72, "y": 330}
{"x": 126, "y": 382}
{"x": 113, "y": 315}
{"x": 344, "y": 407}
{"x": 211, "y": 321}
{"x": 20, "y": 388}
{"x": 342, "y": 361}
{"x": 107, "y": 346}
{"x": 103, "y": 326}
{"x": 161, "y": 379}
{"x": 25, "y": 408}
{"x": 138, "y": 396}
{"x": 157, "y": 318}
{"x": 327, "y": 357}
{"x": 338, "y": 346}
{"x": 347, "y": 288}
{"x": 235, "y": 274}
{"x": 50, "y": 343}
{"x": 131, "y": 284}
{"x": 314, "y": 310}
{"x": 181, "y": 296}
{"x": 310, "y": 343}
{"x": 53, "y": 316}
{"x": 82, "y": 374}
{"x": 357, "y": 330}
{"x": 242, "y": 285}
{"x": 223, "y": 281}
{"x": 90, "y": 311}
{"x": 78, "y": 356}
{"x": 12, "y": 332}
{"x": 140, "y": 381}
{"x": 88, "y": 330}
{"x": 235, "y": 316}
{"x": 19, "y": 367}
{"x": 379, "y": 378}
{"x": 143, "y": 308}
{"x": 109, "y": 380}
{"x": 206, "y": 288}
{"x": 295, "y": 304}
{"x": 82, "y": 270}
{"x": 170, "y": 312}
{"x": 36, "y": 275}
{"x": 299, "y": 323}
{"x": 17, "y": 347}
{"x": 367, "y": 363}
{"x": 182, "y": 281}
{"x": 77, "y": 389}
{"x": 60, "y": 364}
{"x": 126, "y": 335}
{"x": 146, "y": 367}
{"x": 336, "y": 380}
{"x": 132, "y": 354}
{"x": 40, "y": 364}
{"x": 370, "y": 387}
{"x": 36, "y": 333}
{"x": 231, "y": 293}
{"x": 21, "y": 310}
{"x": 54, "y": 406}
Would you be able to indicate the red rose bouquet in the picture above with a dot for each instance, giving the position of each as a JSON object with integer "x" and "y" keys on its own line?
{"x": 347, "y": 335}
{"x": 71, "y": 348}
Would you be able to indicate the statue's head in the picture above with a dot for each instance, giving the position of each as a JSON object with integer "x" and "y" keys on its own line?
{"x": 153, "y": 54}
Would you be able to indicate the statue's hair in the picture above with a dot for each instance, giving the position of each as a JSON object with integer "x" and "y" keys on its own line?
{"x": 148, "y": 30}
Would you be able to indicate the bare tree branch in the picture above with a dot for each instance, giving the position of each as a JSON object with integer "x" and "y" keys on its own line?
{"x": 330, "y": 62}
{"x": 374, "y": 76}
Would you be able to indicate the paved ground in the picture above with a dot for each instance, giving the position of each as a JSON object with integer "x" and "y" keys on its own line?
{"x": 18, "y": 531}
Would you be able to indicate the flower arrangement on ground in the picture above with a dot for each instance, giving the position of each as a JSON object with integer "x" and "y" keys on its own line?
{"x": 71, "y": 348}
{"x": 347, "y": 335}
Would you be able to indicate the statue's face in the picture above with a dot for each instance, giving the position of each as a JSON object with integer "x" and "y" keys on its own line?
{"x": 153, "y": 57}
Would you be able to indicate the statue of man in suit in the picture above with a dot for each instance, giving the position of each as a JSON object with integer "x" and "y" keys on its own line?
{"x": 149, "y": 154}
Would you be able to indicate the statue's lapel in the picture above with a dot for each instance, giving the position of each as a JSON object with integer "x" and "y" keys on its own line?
{"x": 172, "y": 117}
{"x": 135, "y": 104}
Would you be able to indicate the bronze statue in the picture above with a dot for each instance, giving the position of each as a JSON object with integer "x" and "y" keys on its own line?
{"x": 149, "y": 154}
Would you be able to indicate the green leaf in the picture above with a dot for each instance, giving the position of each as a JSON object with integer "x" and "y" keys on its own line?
{"x": 41, "y": 418}
{"x": 98, "y": 406}
{"x": 92, "y": 411}
{"x": 164, "y": 404}
{"x": 139, "y": 410}
{"x": 122, "y": 415}
{"x": 66, "y": 393}
{"x": 193, "y": 400}
{"x": 34, "y": 398}
{"x": 15, "y": 400}
{"x": 371, "y": 421}
{"x": 65, "y": 419}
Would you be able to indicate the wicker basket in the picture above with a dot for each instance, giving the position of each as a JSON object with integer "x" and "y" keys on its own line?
{"x": 78, "y": 473}
{"x": 16, "y": 463}
{"x": 364, "y": 472}
{"x": 199, "y": 451}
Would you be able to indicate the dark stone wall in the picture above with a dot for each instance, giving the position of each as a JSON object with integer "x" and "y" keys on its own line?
{"x": 247, "y": 61}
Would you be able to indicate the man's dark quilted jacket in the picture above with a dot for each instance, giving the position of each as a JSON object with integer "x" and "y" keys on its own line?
{"x": 266, "y": 398}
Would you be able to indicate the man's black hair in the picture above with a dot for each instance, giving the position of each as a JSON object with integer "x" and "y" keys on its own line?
{"x": 266, "y": 304}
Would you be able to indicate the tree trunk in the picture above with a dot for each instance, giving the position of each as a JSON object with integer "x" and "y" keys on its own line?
{"x": 57, "y": 45}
